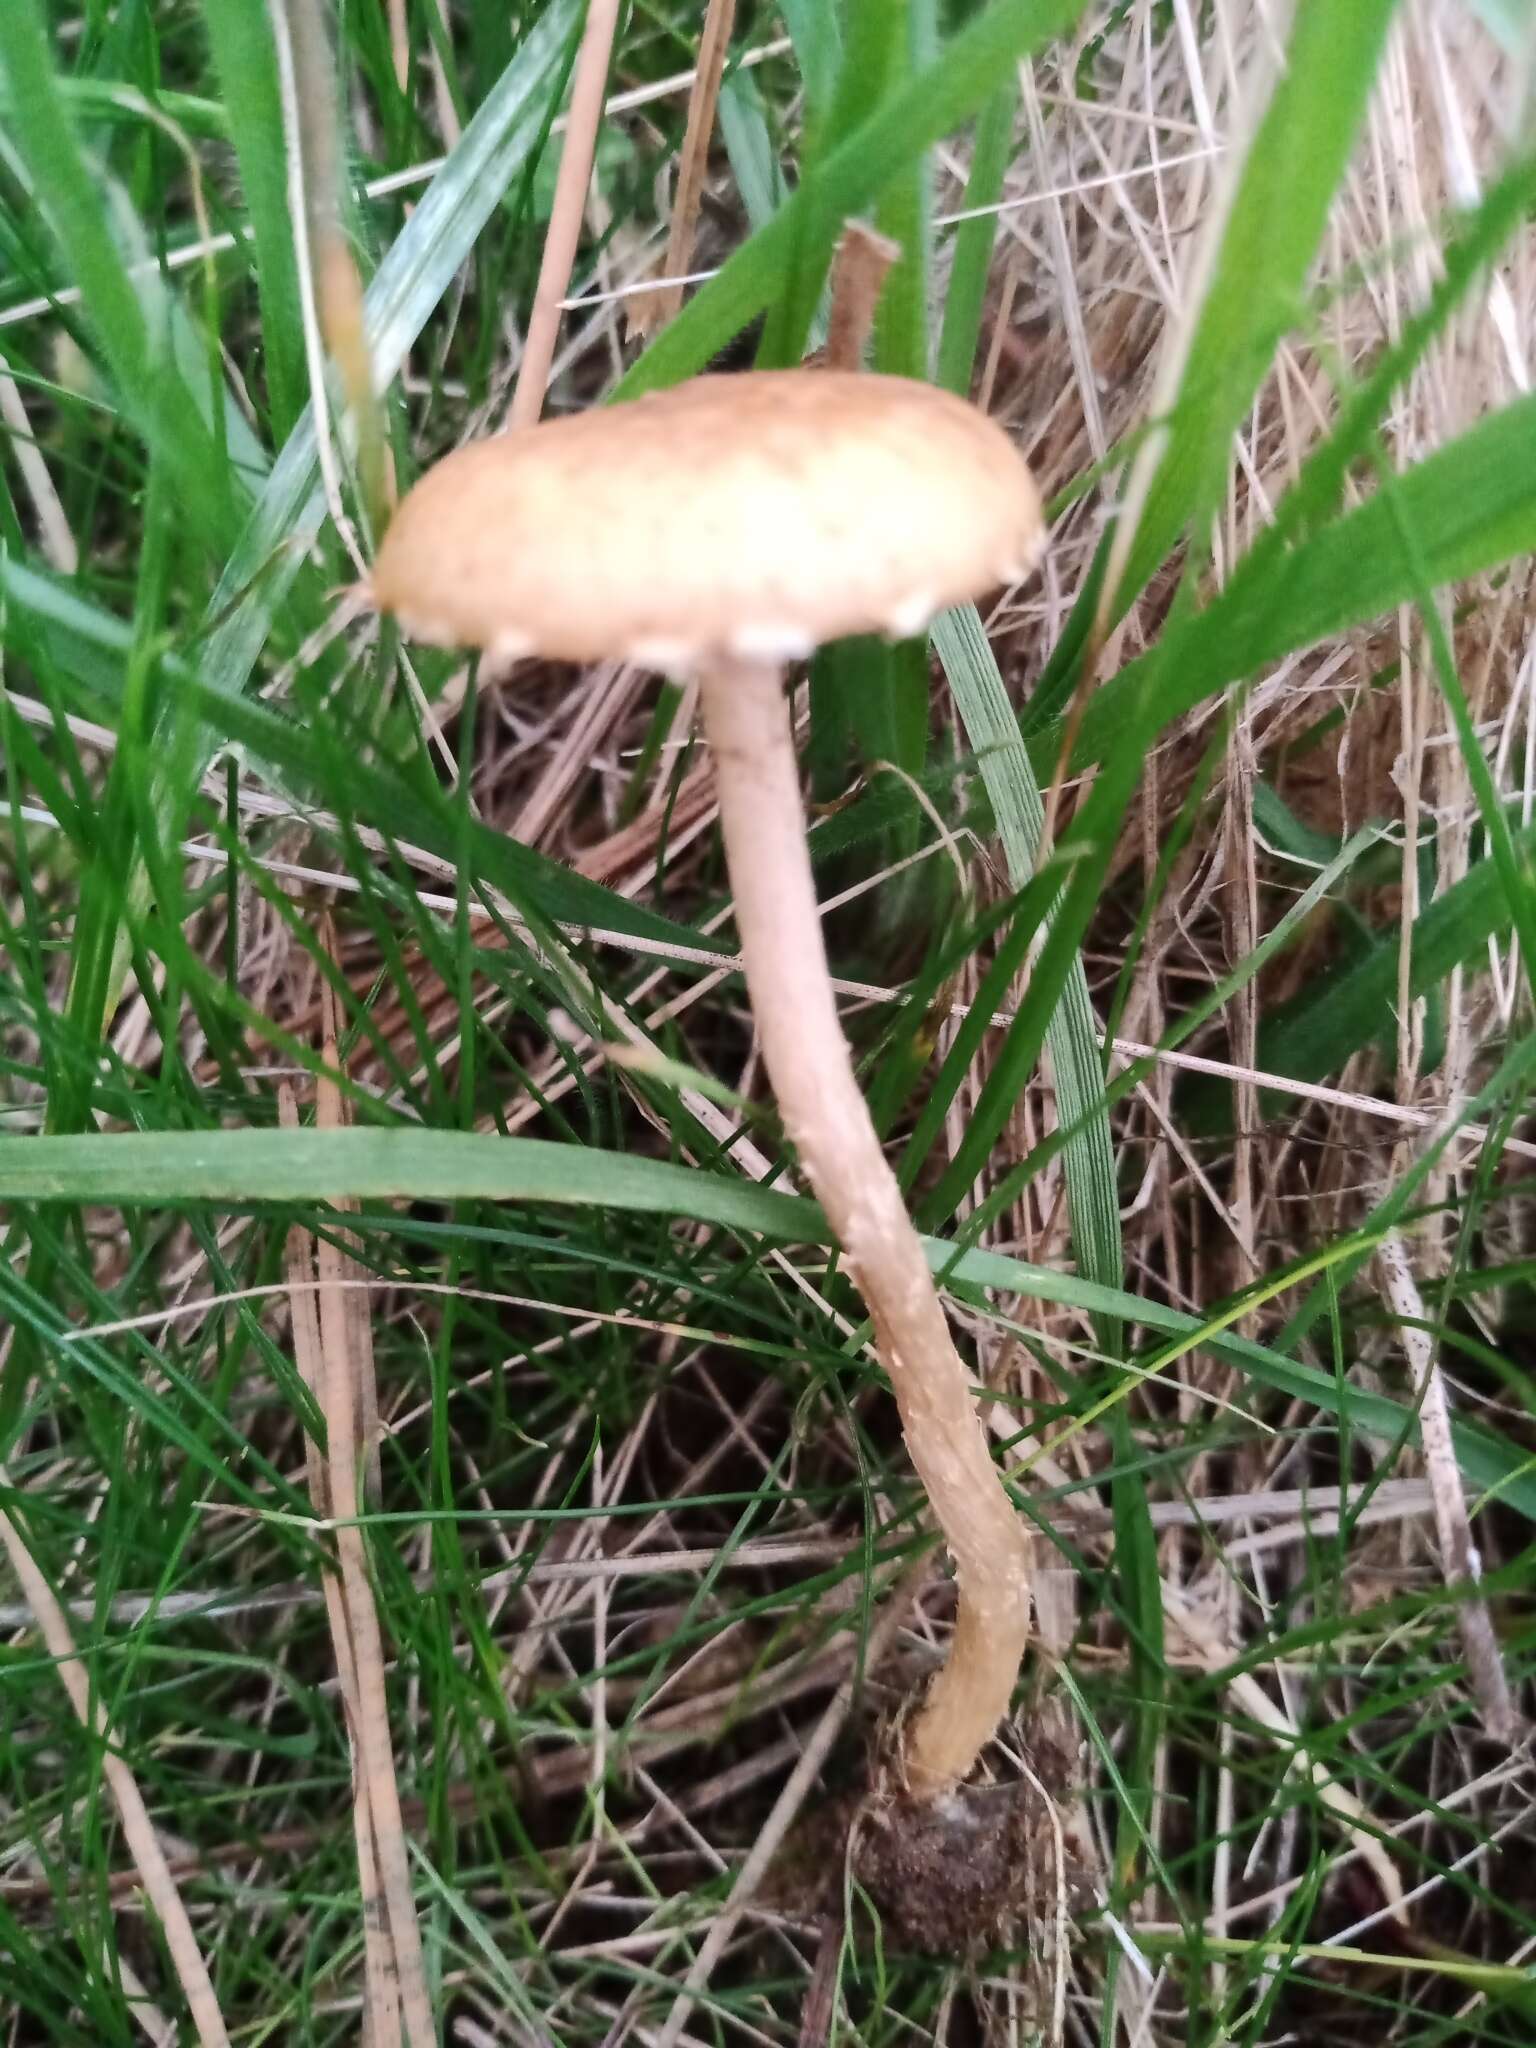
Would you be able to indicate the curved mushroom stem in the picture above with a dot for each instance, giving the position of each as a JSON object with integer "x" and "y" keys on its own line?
{"x": 747, "y": 720}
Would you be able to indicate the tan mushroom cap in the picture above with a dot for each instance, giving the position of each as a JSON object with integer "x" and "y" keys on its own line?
{"x": 757, "y": 515}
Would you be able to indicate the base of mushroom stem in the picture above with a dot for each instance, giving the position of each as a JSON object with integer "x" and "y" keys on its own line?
{"x": 955, "y": 1875}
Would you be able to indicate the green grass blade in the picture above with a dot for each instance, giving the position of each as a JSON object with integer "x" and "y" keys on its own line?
{"x": 1279, "y": 211}
{"x": 105, "y": 99}
{"x": 849, "y": 177}
{"x": 308, "y": 1165}
{"x": 876, "y": 41}
{"x": 749, "y": 145}
{"x": 1472, "y": 505}
{"x": 148, "y": 385}
{"x": 241, "y": 1168}
{"x": 243, "y": 53}
{"x": 971, "y": 261}
{"x": 1077, "y": 1065}
{"x": 438, "y": 239}
{"x": 816, "y": 32}
{"x": 905, "y": 209}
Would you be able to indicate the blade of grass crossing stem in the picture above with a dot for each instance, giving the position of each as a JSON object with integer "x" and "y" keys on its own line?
{"x": 241, "y": 37}
{"x": 853, "y": 171}
{"x": 971, "y": 254}
{"x": 1279, "y": 209}
{"x": 1092, "y": 1198}
{"x": 148, "y": 388}
{"x": 1078, "y": 1070}
{"x": 241, "y": 1169}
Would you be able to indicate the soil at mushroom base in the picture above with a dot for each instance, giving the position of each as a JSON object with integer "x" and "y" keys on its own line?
{"x": 954, "y": 1876}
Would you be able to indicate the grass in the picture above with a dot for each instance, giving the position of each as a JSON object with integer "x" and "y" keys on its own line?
{"x": 1243, "y": 781}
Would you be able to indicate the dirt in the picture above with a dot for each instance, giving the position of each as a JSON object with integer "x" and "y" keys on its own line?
{"x": 952, "y": 1876}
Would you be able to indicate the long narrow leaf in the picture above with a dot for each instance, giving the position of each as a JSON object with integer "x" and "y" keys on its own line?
{"x": 1472, "y": 506}
{"x": 238, "y": 1168}
{"x": 242, "y": 49}
{"x": 1077, "y": 1064}
{"x": 147, "y": 383}
{"x": 1278, "y": 213}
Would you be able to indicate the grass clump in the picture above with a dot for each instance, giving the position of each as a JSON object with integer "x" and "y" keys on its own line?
{"x": 427, "y": 1405}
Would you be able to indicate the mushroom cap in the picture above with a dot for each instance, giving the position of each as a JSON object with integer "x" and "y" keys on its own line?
{"x": 757, "y": 515}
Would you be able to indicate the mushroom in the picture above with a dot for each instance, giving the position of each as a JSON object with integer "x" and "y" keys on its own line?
{"x": 722, "y": 529}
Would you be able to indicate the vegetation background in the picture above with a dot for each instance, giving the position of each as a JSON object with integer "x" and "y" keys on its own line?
{"x": 380, "y": 1117}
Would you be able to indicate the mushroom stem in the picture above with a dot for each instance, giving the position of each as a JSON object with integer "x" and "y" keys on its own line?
{"x": 763, "y": 823}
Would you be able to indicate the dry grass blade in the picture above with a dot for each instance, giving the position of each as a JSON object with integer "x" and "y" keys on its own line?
{"x": 58, "y": 542}
{"x": 864, "y": 257}
{"x": 339, "y": 1296}
{"x": 576, "y": 156}
{"x": 144, "y": 2009}
{"x": 399, "y": 42}
{"x": 139, "y": 1830}
{"x": 657, "y": 309}
{"x": 349, "y": 1401}
{"x": 820, "y": 2011}
{"x": 1458, "y": 1552}
{"x": 381, "y": 1998}
{"x": 333, "y": 1345}
{"x": 1058, "y": 1938}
